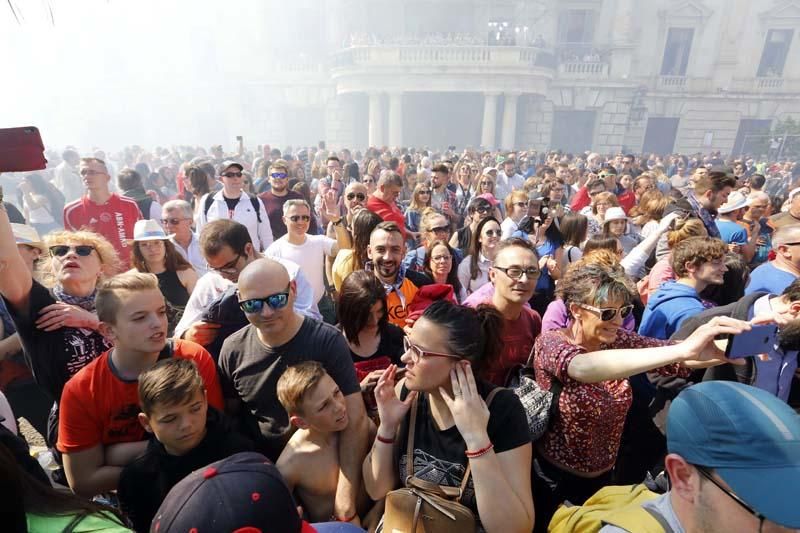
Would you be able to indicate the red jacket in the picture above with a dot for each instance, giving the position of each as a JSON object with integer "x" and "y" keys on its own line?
{"x": 388, "y": 212}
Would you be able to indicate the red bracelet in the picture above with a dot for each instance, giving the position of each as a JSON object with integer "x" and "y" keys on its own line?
{"x": 347, "y": 519}
{"x": 384, "y": 440}
{"x": 478, "y": 453}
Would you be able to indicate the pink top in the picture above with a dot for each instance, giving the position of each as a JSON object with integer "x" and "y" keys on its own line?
{"x": 586, "y": 434}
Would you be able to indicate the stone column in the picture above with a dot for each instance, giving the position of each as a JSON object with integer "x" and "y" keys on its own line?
{"x": 489, "y": 133}
{"x": 395, "y": 119}
{"x": 508, "y": 135}
{"x": 375, "y": 120}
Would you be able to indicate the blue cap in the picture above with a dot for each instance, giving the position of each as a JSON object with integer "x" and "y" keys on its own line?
{"x": 749, "y": 437}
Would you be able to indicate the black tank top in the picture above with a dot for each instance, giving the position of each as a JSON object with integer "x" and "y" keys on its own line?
{"x": 172, "y": 289}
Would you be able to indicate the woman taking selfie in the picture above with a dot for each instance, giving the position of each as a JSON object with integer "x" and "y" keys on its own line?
{"x": 455, "y": 434}
{"x": 592, "y": 360}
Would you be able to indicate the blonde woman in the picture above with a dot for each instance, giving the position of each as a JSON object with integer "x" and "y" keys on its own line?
{"x": 56, "y": 318}
{"x": 600, "y": 204}
{"x": 420, "y": 199}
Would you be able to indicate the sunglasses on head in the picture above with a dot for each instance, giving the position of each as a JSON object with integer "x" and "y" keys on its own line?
{"x": 60, "y": 250}
{"x": 275, "y": 302}
{"x": 279, "y": 175}
{"x": 297, "y": 218}
{"x": 232, "y": 174}
{"x": 608, "y": 313}
{"x": 360, "y": 195}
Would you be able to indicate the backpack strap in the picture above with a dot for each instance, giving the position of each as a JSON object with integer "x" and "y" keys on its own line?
{"x": 207, "y": 204}
{"x": 256, "y": 206}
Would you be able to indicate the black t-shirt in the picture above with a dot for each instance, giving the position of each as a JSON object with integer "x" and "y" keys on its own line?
{"x": 144, "y": 483}
{"x": 249, "y": 371}
{"x": 439, "y": 455}
{"x": 54, "y": 356}
{"x": 232, "y": 203}
{"x": 389, "y": 351}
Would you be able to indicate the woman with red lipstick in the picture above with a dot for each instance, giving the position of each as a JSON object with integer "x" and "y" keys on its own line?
{"x": 456, "y": 434}
{"x": 56, "y": 319}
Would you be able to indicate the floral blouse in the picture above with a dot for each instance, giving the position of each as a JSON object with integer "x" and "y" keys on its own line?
{"x": 585, "y": 435}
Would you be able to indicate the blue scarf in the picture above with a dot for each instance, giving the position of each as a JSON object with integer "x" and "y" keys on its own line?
{"x": 84, "y": 302}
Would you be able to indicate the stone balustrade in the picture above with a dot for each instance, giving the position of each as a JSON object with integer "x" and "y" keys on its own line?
{"x": 442, "y": 56}
{"x": 583, "y": 70}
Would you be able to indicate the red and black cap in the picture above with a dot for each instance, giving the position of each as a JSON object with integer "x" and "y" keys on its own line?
{"x": 243, "y": 493}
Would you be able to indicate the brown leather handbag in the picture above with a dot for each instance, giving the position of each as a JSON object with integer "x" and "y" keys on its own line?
{"x": 425, "y": 507}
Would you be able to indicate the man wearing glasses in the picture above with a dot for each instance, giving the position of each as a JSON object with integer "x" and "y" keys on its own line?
{"x": 253, "y": 358}
{"x": 233, "y": 203}
{"x": 279, "y": 194}
{"x": 513, "y": 278}
{"x": 103, "y": 212}
{"x": 212, "y": 312}
{"x": 732, "y": 465}
{"x": 176, "y": 219}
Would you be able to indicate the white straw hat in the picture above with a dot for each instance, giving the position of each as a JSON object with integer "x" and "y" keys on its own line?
{"x": 149, "y": 230}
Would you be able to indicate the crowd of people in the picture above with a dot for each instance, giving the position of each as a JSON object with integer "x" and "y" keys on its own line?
{"x": 283, "y": 340}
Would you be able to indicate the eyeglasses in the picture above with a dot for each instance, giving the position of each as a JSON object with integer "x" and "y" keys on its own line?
{"x": 228, "y": 268}
{"x": 441, "y": 258}
{"x": 172, "y": 221}
{"x": 418, "y": 353}
{"x": 60, "y": 250}
{"x": 275, "y": 302}
{"x": 439, "y": 229}
{"x": 517, "y": 272}
{"x": 232, "y": 174}
{"x": 706, "y": 474}
{"x": 360, "y": 195}
{"x": 608, "y": 313}
{"x": 483, "y": 209}
{"x": 279, "y": 175}
{"x": 493, "y": 233}
{"x": 297, "y": 218}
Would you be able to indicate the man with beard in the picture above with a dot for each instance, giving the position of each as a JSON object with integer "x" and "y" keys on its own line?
{"x": 774, "y": 371}
{"x": 385, "y": 252}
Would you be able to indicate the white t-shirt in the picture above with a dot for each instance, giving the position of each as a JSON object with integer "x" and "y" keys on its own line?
{"x": 310, "y": 256}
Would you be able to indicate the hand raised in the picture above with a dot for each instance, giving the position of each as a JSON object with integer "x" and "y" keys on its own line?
{"x": 390, "y": 409}
{"x": 470, "y": 412}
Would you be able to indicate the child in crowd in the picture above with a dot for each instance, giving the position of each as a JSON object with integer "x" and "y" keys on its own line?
{"x": 187, "y": 434}
{"x": 310, "y": 461}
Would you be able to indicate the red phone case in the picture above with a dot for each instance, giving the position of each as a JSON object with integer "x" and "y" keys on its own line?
{"x": 21, "y": 150}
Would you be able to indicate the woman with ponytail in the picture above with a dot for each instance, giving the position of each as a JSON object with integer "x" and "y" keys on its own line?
{"x": 455, "y": 428}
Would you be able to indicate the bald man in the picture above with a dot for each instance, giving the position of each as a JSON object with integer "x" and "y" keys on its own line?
{"x": 253, "y": 358}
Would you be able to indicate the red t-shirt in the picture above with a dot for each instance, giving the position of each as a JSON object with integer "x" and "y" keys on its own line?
{"x": 517, "y": 338}
{"x": 114, "y": 220}
{"x": 97, "y": 407}
{"x": 626, "y": 201}
{"x": 388, "y": 212}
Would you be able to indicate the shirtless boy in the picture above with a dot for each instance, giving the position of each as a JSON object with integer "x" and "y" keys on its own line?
{"x": 310, "y": 461}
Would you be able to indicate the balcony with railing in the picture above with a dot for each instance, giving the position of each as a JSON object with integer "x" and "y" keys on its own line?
{"x": 686, "y": 84}
{"x": 410, "y": 56}
{"x": 583, "y": 70}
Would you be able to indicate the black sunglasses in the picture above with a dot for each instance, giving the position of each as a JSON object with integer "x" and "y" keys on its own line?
{"x": 172, "y": 221}
{"x": 275, "y": 302}
{"x": 706, "y": 474}
{"x": 360, "y": 195}
{"x": 516, "y": 272}
{"x": 439, "y": 229}
{"x": 296, "y": 218}
{"x": 232, "y": 175}
{"x": 60, "y": 250}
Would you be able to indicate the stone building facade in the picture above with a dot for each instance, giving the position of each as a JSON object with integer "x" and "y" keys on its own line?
{"x": 660, "y": 75}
